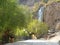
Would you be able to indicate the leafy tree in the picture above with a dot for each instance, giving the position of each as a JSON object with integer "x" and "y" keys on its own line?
{"x": 13, "y": 15}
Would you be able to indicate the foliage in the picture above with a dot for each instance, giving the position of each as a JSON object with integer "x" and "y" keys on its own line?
{"x": 13, "y": 15}
{"x": 20, "y": 32}
{"x": 45, "y": 1}
{"x": 36, "y": 5}
{"x": 34, "y": 26}
{"x": 37, "y": 27}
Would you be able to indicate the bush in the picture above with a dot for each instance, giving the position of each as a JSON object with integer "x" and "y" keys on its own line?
{"x": 37, "y": 27}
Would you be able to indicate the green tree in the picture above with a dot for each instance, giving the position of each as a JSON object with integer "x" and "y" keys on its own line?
{"x": 13, "y": 15}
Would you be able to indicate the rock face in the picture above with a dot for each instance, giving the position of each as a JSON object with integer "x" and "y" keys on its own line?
{"x": 52, "y": 14}
{"x": 28, "y": 2}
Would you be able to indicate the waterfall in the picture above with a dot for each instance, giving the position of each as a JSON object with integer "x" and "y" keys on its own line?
{"x": 40, "y": 14}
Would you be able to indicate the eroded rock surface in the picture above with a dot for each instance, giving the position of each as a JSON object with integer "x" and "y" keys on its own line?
{"x": 52, "y": 14}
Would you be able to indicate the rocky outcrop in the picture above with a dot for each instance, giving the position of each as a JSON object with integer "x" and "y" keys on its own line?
{"x": 52, "y": 14}
{"x": 28, "y": 2}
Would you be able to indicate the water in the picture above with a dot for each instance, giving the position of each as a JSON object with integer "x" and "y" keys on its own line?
{"x": 35, "y": 42}
{"x": 40, "y": 13}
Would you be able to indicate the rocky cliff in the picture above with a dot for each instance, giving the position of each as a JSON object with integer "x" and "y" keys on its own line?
{"x": 28, "y": 2}
{"x": 52, "y": 14}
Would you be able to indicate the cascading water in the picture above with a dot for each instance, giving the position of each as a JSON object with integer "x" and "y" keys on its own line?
{"x": 40, "y": 14}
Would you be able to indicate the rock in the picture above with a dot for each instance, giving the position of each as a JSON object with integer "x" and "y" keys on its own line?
{"x": 52, "y": 14}
{"x": 28, "y": 2}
